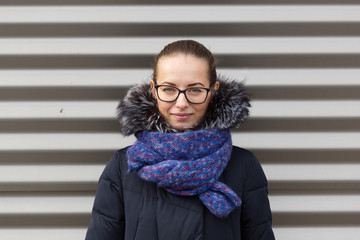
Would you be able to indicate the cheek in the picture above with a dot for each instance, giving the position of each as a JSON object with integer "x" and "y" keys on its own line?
{"x": 201, "y": 109}
{"x": 163, "y": 107}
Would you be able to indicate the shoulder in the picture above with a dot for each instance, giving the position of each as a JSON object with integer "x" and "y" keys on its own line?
{"x": 116, "y": 166}
{"x": 119, "y": 157}
{"x": 238, "y": 151}
{"x": 241, "y": 157}
{"x": 121, "y": 153}
{"x": 117, "y": 171}
{"x": 245, "y": 159}
{"x": 242, "y": 166}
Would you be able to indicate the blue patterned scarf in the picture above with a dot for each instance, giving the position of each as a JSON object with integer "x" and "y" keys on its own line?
{"x": 187, "y": 164}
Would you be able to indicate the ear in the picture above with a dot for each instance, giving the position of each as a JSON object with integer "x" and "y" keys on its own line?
{"x": 153, "y": 90}
{"x": 216, "y": 86}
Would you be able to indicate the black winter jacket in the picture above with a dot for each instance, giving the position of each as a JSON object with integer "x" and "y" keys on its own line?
{"x": 127, "y": 207}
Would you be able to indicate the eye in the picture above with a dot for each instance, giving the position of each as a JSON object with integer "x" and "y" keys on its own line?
{"x": 167, "y": 89}
{"x": 195, "y": 90}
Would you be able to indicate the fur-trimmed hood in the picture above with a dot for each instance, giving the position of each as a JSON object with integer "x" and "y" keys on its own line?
{"x": 228, "y": 108}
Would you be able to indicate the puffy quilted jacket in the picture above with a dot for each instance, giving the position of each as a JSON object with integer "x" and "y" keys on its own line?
{"x": 127, "y": 207}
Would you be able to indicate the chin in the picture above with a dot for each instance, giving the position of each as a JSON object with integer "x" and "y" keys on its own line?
{"x": 181, "y": 126}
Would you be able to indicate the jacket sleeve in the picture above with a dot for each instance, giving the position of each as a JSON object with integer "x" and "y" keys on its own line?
{"x": 256, "y": 214}
{"x": 107, "y": 221}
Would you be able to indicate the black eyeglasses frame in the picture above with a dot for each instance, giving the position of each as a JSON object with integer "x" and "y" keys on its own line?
{"x": 181, "y": 91}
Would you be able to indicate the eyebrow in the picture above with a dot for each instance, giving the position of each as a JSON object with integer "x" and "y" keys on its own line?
{"x": 168, "y": 83}
{"x": 193, "y": 84}
{"x": 190, "y": 85}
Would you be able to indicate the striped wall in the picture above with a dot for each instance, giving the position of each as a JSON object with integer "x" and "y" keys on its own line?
{"x": 65, "y": 64}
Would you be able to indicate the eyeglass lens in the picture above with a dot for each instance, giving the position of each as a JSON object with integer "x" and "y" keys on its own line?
{"x": 194, "y": 95}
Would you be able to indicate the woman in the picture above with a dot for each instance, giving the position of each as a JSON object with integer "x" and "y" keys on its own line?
{"x": 182, "y": 179}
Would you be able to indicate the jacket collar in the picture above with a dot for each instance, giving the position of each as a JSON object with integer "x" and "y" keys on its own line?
{"x": 138, "y": 110}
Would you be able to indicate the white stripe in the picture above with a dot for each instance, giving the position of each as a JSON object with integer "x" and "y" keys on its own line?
{"x": 306, "y": 108}
{"x": 46, "y": 204}
{"x": 58, "y": 109}
{"x": 107, "y": 109}
{"x": 83, "y": 204}
{"x": 315, "y": 203}
{"x": 281, "y": 233}
{"x": 128, "y": 77}
{"x": 113, "y": 141}
{"x": 295, "y": 77}
{"x": 150, "y": 45}
{"x": 73, "y": 78}
{"x": 42, "y": 233}
{"x": 312, "y": 172}
{"x": 64, "y": 141}
{"x": 50, "y": 173}
{"x": 180, "y": 14}
{"x": 91, "y": 173}
{"x": 303, "y": 140}
{"x": 318, "y": 233}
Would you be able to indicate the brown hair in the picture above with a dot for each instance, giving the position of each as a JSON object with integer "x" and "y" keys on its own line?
{"x": 189, "y": 47}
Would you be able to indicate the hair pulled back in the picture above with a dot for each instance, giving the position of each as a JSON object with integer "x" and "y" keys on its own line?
{"x": 189, "y": 47}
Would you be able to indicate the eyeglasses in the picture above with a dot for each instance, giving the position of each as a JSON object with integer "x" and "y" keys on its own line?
{"x": 195, "y": 95}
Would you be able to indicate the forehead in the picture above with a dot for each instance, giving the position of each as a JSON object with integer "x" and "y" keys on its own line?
{"x": 182, "y": 69}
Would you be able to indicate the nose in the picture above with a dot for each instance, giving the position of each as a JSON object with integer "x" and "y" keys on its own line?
{"x": 182, "y": 102}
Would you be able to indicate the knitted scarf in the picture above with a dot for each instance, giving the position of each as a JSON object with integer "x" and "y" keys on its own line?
{"x": 186, "y": 164}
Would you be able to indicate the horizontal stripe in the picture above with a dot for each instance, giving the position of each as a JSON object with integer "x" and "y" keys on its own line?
{"x": 275, "y": 187}
{"x": 281, "y": 233}
{"x": 108, "y": 141}
{"x": 91, "y": 172}
{"x": 107, "y": 109}
{"x": 112, "y": 126}
{"x": 73, "y": 78}
{"x": 43, "y": 233}
{"x": 263, "y": 93}
{"x": 83, "y": 204}
{"x": 298, "y": 140}
{"x": 304, "y": 109}
{"x": 46, "y": 204}
{"x": 165, "y": 2}
{"x": 112, "y": 141}
{"x": 234, "y": 45}
{"x": 318, "y": 233}
{"x": 179, "y": 29}
{"x": 85, "y": 61}
{"x": 270, "y": 156}
{"x": 312, "y": 172}
{"x": 174, "y": 14}
{"x": 125, "y": 78}
{"x": 315, "y": 203}
{"x": 295, "y": 77}
{"x": 50, "y": 173}
{"x": 55, "y": 109}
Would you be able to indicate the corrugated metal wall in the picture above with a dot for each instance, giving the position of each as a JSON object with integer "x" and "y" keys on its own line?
{"x": 64, "y": 65}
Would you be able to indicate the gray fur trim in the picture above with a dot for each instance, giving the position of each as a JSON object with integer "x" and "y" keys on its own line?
{"x": 228, "y": 108}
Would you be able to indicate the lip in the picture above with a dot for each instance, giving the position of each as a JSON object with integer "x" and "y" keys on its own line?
{"x": 182, "y": 116}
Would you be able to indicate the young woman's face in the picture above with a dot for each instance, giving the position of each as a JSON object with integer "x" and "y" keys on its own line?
{"x": 182, "y": 71}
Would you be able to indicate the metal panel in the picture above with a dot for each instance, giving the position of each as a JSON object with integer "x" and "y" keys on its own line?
{"x": 136, "y": 46}
{"x": 180, "y": 14}
{"x": 64, "y": 65}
